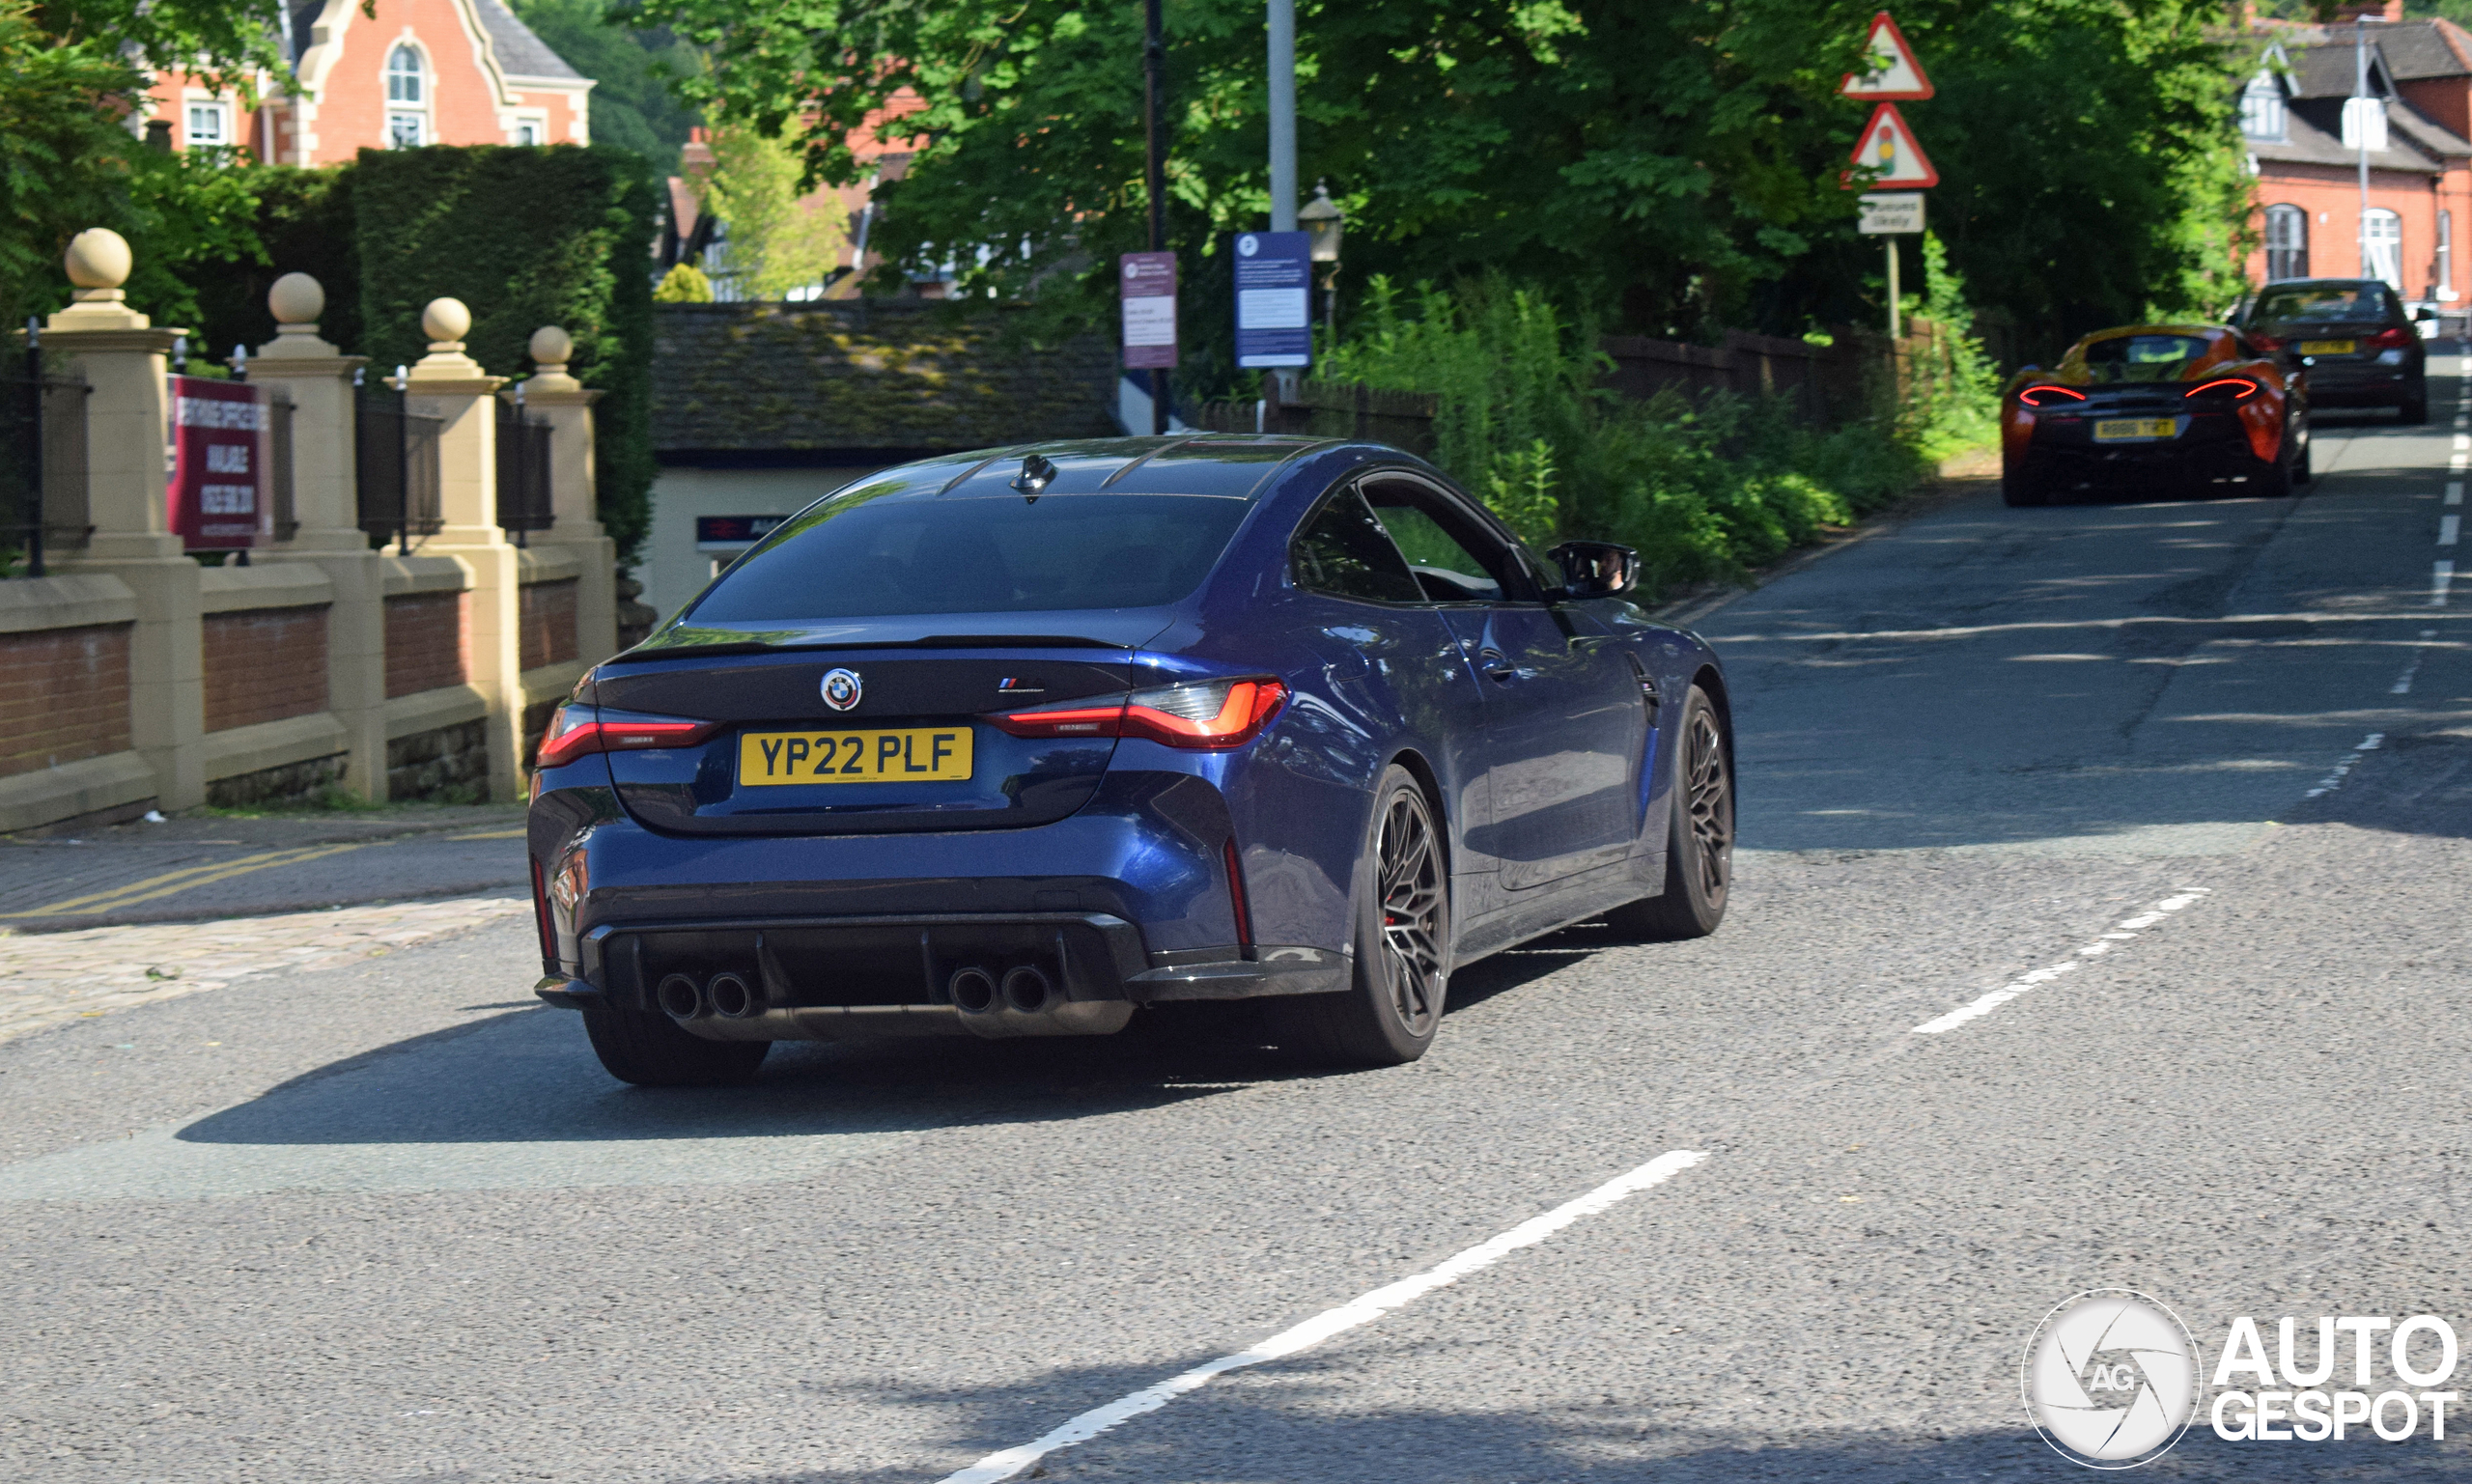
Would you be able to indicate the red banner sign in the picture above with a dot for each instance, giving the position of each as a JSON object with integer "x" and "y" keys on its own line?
{"x": 218, "y": 499}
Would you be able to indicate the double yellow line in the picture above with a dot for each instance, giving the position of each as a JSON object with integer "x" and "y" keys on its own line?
{"x": 171, "y": 881}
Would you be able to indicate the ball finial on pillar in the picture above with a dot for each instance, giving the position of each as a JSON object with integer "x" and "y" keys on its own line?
{"x": 97, "y": 261}
{"x": 446, "y": 322}
{"x": 552, "y": 346}
{"x": 296, "y": 300}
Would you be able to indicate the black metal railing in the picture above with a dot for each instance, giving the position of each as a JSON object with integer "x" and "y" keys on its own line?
{"x": 42, "y": 463}
{"x": 523, "y": 471}
{"x": 398, "y": 467}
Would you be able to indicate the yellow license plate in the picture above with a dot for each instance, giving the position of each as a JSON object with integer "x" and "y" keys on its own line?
{"x": 909, "y": 755}
{"x": 2120, "y": 429}
{"x": 2328, "y": 346}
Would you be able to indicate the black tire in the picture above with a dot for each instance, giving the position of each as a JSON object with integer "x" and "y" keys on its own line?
{"x": 2300, "y": 471}
{"x": 650, "y": 1051}
{"x": 2021, "y": 484}
{"x": 2415, "y": 406}
{"x": 1700, "y": 843}
{"x": 1392, "y": 1006}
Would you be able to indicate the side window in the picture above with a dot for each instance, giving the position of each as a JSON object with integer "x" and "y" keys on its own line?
{"x": 1341, "y": 550}
{"x": 1453, "y": 560}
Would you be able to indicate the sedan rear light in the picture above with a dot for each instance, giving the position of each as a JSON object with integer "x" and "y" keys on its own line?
{"x": 2049, "y": 396}
{"x": 2392, "y": 338}
{"x": 2231, "y": 389}
{"x": 1211, "y": 716}
{"x": 2265, "y": 342}
{"x": 580, "y": 731}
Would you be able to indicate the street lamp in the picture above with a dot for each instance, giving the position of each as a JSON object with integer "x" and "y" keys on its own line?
{"x": 1323, "y": 220}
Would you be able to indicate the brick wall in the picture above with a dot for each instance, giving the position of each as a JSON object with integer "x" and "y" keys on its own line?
{"x": 549, "y": 623}
{"x": 63, "y": 697}
{"x": 263, "y": 664}
{"x": 428, "y": 642}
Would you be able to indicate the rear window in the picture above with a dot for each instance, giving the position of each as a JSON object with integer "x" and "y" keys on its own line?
{"x": 885, "y": 550}
{"x": 2336, "y": 303}
{"x": 2144, "y": 357}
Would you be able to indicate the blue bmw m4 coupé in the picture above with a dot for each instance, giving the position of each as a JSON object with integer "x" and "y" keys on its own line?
{"x": 1022, "y": 743}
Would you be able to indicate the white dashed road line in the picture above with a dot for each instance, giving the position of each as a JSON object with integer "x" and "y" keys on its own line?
{"x": 2448, "y": 527}
{"x": 2441, "y": 577}
{"x": 1299, "y": 1338}
{"x": 2335, "y": 780}
{"x": 2453, "y": 492}
{"x": 2403, "y": 682}
{"x": 2125, "y": 932}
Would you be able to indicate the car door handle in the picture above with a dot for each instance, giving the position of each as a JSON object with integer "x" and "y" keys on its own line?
{"x": 1496, "y": 663}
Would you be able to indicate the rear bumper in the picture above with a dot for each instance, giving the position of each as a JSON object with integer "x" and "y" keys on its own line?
{"x": 2210, "y": 449}
{"x": 2364, "y": 385}
{"x": 870, "y": 978}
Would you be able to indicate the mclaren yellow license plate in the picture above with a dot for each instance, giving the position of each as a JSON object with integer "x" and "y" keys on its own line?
{"x": 2328, "y": 346}
{"x": 910, "y": 755}
{"x": 2132, "y": 430}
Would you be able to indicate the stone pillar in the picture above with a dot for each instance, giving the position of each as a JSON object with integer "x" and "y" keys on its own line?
{"x": 565, "y": 405}
{"x": 451, "y": 386}
{"x": 128, "y": 429}
{"x": 326, "y": 495}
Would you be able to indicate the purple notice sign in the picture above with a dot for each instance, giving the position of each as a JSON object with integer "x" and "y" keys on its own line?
{"x": 1149, "y": 311}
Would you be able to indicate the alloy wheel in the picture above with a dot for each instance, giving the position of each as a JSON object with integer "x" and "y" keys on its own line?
{"x": 1412, "y": 906}
{"x": 1708, "y": 792}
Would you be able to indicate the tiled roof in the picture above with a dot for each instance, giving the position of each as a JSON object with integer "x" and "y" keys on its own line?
{"x": 867, "y": 376}
{"x": 2323, "y": 64}
{"x": 520, "y": 53}
{"x": 2314, "y": 135}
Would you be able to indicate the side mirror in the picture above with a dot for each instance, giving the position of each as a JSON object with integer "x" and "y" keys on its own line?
{"x": 1595, "y": 569}
{"x": 2425, "y": 313}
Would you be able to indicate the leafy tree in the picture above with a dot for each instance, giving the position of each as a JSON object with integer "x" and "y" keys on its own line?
{"x": 633, "y": 104}
{"x": 775, "y": 240}
{"x": 1675, "y": 163}
{"x": 683, "y": 284}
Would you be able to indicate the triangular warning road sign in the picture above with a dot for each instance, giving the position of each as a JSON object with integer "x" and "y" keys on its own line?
{"x": 1893, "y": 72}
{"x": 1888, "y": 147}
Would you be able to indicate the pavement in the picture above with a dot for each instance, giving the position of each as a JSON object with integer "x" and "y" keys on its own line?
{"x": 205, "y": 864}
{"x": 2100, "y": 924}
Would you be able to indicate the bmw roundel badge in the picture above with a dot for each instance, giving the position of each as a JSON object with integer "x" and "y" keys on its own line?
{"x": 841, "y": 688}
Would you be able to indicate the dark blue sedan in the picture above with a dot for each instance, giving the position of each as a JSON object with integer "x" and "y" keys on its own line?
{"x": 1022, "y": 743}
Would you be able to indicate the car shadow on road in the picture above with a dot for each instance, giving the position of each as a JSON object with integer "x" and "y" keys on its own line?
{"x": 1304, "y": 1421}
{"x": 529, "y": 1075}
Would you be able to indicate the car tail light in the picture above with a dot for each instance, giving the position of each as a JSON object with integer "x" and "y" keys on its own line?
{"x": 2233, "y": 388}
{"x": 2393, "y": 337}
{"x": 1207, "y": 714}
{"x": 578, "y": 731}
{"x": 2265, "y": 342}
{"x": 2049, "y": 396}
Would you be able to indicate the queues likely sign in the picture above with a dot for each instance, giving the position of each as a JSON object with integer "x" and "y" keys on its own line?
{"x": 1891, "y": 213}
{"x": 218, "y": 499}
{"x": 1273, "y": 318}
{"x": 1149, "y": 311}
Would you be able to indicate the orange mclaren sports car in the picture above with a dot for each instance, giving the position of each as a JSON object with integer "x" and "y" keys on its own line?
{"x": 2181, "y": 409}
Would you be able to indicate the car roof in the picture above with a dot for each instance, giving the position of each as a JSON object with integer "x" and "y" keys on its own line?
{"x": 1223, "y": 465}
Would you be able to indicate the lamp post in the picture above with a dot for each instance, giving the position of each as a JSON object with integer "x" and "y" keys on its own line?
{"x": 1154, "y": 103}
{"x": 1322, "y": 217}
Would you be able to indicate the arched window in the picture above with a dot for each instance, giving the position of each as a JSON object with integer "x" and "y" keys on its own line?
{"x": 407, "y": 99}
{"x": 2262, "y": 108}
{"x": 404, "y": 75}
{"x": 2286, "y": 243}
{"x": 2381, "y": 248}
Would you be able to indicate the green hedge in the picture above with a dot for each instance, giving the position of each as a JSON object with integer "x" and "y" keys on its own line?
{"x": 525, "y": 238}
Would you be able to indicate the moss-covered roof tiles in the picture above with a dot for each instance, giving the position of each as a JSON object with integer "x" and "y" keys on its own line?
{"x": 869, "y": 375}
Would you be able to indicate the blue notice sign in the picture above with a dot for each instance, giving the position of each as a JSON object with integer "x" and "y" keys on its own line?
{"x": 1274, "y": 321}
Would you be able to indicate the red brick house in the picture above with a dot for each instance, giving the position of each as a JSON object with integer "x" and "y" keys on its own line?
{"x": 2305, "y": 137}
{"x": 415, "y": 73}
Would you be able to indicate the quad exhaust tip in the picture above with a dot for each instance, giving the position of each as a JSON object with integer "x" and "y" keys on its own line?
{"x": 731, "y": 996}
{"x": 680, "y": 998}
{"x": 1027, "y": 989}
{"x": 972, "y": 990}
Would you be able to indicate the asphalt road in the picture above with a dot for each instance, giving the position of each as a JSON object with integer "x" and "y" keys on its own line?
{"x": 392, "y": 1222}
